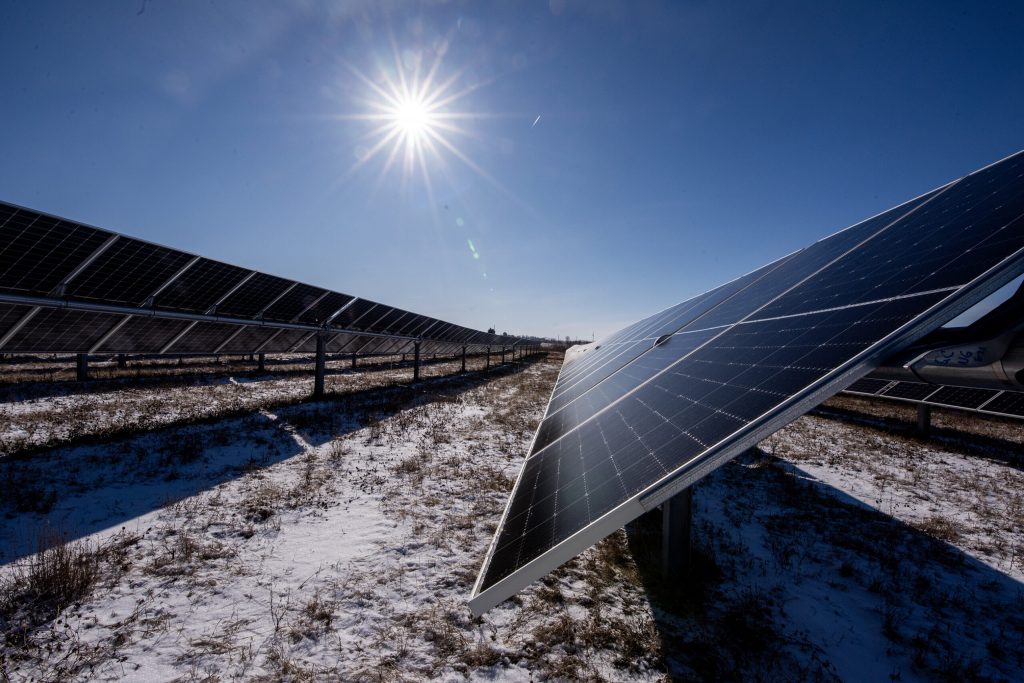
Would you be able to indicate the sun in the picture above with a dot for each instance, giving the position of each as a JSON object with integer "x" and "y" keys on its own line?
{"x": 416, "y": 122}
{"x": 413, "y": 118}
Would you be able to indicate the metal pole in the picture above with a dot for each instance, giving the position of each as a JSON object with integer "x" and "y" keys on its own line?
{"x": 122, "y": 360}
{"x": 82, "y": 367}
{"x": 676, "y": 524}
{"x": 320, "y": 365}
{"x": 353, "y": 361}
{"x": 261, "y": 362}
{"x": 924, "y": 419}
{"x": 463, "y": 358}
{"x": 488, "y": 357}
{"x": 416, "y": 362}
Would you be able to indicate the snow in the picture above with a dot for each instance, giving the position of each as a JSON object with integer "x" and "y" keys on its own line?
{"x": 339, "y": 540}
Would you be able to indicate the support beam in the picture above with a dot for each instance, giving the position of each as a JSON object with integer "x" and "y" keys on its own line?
{"x": 354, "y": 361}
{"x": 82, "y": 367}
{"x": 261, "y": 362}
{"x": 320, "y": 366}
{"x": 676, "y": 535}
{"x": 502, "y": 355}
{"x": 416, "y": 362}
{"x": 488, "y": 357}
{"x": 924, "y": 419}
{"x": 463, "y": 358}
{"x": 122, "y": 360}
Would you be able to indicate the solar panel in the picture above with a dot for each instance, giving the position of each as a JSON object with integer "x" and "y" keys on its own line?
{"x": 258, "y": 293}
{"x": 59, "y": 330}
{"x": 800, "y": 332}
{"x": 1007, "y": 403}
{"x": 295, "y": 302}
{"x": 202, "y": 337}
{"x": 912, "y": 391}
{"x": 868, "y": 386}
{"x": 962, "y": 397}
{"x": 71, "y": 288}
{"x": 129, "y": 272}
{"x": 199, "y": 288}
{"x": 37, "y": 251}
{"x": 143, "y": 335}
{"x": 319, "y": 311}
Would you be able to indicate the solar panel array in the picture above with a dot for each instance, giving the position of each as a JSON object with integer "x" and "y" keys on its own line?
{"x": 66, "y": 287}
{"x": 1005, "y": 403}
{"x": 640, "y": 415}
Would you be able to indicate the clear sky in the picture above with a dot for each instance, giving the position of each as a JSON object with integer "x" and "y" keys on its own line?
{"x": 586, "y": 163}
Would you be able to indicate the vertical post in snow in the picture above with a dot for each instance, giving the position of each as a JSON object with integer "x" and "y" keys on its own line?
{"x": 676, "y": 534}
{"x": 82, "y": 367}
{"x": 488, "y": 358}
{"x": 924, "y": 419}
{"x": 463, "y": 358}
{"x": 122, "y": 360}
{"x": 320, "y": 365}
{"x": 261, "y": 362}
{"x": 353, "y": 360}
{"x": 416, "y": 362}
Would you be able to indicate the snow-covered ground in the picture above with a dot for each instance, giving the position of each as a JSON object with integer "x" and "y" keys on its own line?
{"x": 338, "y": 540}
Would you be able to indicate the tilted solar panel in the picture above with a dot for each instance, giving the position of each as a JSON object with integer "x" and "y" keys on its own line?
{"x": 71, "y": 288}
{"x": 791, "y": 337}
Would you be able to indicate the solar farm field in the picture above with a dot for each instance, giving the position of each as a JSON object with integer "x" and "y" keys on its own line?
{"x": 336, "y": 540}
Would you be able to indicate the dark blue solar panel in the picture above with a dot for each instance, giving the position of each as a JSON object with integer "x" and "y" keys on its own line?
{"x": 825, "y": 313}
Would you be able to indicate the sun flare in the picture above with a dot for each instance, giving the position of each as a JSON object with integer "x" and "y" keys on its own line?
{"x": 415, "y": 117}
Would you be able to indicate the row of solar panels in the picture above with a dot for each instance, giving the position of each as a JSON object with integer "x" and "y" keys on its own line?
{"x": 72, "y": 288}
{"x": 989, "y": 401}
{"x": 640, "y": 415}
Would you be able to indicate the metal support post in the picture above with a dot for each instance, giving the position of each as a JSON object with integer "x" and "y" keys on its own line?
{"x": 261, "y": 362}
{"x": 676, "y": 524}
{"x": 502, "y": 355}
{"x": 320, "y": 365}
{"x": 416, "y": 362}
{"x": 488, "y": 357}
{"x": 924, "y": 419}
{"x": 122, "y": 360}
{"x": 463, "y": 358}
{"x": 82, "y": 367}
{"x": 353, "y": 361}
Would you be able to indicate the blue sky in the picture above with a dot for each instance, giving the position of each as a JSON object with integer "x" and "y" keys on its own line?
{"x": 679, "y": 144}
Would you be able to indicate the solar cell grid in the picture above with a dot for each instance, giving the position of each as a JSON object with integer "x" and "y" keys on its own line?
{"x": 961, "y": 397}
{"x": 37, "y": 252}
{"x": 255, "y": 295}
{"x": 913, "y": 391}
{"x": 128, "y": 273}
{"x": 200, "y": 287}
{"x": 318, "y": 313}
{"x": 868, "y": 385}
{"x": 203, "y": 338}
{"x": 143, "y": 334}
{"x": 339, "y": 341}
{"x": 294, "y": 302}
{"x": 936, "y": 246}
{"x": 10, "y": 314}
{"x": 248, "y": 340}
{"x": 58, "y": 330}
{"x": 1007, "y": 403}
{"x": 354, "y": 314}
{"x": 284, "y": 341}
